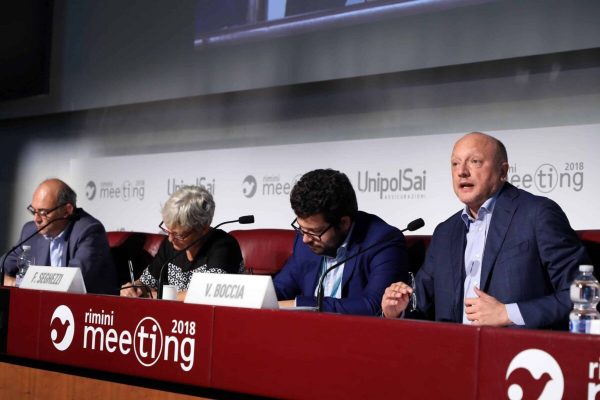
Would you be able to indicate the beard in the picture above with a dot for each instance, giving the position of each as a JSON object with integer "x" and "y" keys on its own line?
{"x": 330, "y": 247}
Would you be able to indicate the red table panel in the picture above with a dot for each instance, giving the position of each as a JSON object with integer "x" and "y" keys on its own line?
{"x": 24, "y": 323}
{"x": 166, "y": 340}
{"x": 295, "y": 354}
{"x": 523, "y": 364}
{"x": 309, "y": 355}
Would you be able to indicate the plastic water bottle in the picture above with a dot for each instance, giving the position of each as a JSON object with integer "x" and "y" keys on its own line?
{"x": 23, "y": 262}
{"x": 585, "y": 292}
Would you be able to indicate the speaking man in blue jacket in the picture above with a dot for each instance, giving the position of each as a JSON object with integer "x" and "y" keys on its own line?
{"x": 508, "y": 258}
{"x": 331, "y": 230}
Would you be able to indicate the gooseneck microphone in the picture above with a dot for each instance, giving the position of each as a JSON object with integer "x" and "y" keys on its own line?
{"x": 73, "y": 217}
{"x": 412, "y": 226}
{"x": 246, "y": 219}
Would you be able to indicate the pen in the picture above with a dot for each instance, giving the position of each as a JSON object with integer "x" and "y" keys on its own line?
{"x": 131, "y": 271}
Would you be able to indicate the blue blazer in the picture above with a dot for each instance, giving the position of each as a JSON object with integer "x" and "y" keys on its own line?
{"x": 87, "y": 248}
{"x": 531, "y": 257}
{"x": 365, "y": 277}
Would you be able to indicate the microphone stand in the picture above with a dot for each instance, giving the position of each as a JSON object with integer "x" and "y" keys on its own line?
{"x": 246, "y": 219}
{"x": 69, "y": 217}
{"x": 159, "y": 290}
{"x": 321, "y": 292}
{"x": 412, "y": 226}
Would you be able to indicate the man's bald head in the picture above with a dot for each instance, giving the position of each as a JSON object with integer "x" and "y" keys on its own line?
{"x": 56, "y": 200}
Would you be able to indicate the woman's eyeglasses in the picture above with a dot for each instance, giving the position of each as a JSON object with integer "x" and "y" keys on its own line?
{"x": 174, "y": 235}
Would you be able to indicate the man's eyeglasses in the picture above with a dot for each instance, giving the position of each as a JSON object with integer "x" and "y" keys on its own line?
{"x": 412, "y": 302}
{"x": 176, "y": 236}
{"x": 316, "y": 236}
{"x": 41, "y": 212}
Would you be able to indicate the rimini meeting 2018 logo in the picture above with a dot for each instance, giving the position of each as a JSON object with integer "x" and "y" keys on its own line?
{"x": 149, "y": 341}
{"x": 549, "y": 177}
{"x": 268, "y": 185}
{"x": 62, "y": 328}
{"x": 108, "y": 190}
{"x": 538, "y": 372}
{"x": 90, "y": 190}
{"x": 535, "y": 374}
{"x": 249, "y": 186}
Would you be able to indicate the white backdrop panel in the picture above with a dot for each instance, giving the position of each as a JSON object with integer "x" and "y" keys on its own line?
{"x": 397, "y": 178}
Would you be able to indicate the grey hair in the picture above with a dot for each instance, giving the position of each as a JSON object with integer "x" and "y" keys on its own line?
{"x": 66, "y": 195}
{"x": 191, "y": 207}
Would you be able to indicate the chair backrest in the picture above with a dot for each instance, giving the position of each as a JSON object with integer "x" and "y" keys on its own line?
{"x": 153, "y": 242}
{"x": 265, "y": 251}
{"x": 416, "y": 247}
{"x": 591, "y": 242}
{"x": 138, "y": 247}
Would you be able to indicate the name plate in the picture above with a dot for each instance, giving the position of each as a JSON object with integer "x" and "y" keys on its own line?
{"x": 55, "y": 279}
{"x": 246, "y": 291}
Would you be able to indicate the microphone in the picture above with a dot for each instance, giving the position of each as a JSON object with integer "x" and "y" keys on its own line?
{"x": 246, "y": 219}
{"x": 72, "y": 217}
{"x": 412, "y": 226}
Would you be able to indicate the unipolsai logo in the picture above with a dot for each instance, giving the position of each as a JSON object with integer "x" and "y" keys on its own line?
{"x": 249, "y": 186}
{"x": 538, "y": 372}
{"x": 90, "y": 190}
{"x": 62, "y": 328}
{"x": 174, "y": 184}
{"x": 401, "y": 184}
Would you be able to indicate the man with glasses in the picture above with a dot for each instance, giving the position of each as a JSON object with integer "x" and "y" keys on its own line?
{"x": 331, "y": 230}
{"x": 69, "y": 237}
{"x": 507, "y": 258}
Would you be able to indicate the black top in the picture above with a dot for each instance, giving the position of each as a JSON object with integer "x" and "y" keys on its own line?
{"x": 220, "y": 254}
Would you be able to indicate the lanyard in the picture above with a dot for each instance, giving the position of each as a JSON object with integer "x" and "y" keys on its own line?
{"x": 336, "y": 284}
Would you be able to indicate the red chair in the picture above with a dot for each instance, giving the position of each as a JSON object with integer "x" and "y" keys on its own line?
{"x": 265, "y": 251}
{"x": 137, "y": 247}
{"x": 591, "y": 242}
{"x": 416, "y": 247}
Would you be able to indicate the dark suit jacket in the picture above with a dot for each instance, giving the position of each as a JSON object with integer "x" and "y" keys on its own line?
{"x": 531, "y": 257}
{"x": 87, "y": 248}
{"x": 365, "y": 277}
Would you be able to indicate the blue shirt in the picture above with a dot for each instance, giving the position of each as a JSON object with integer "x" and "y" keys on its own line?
{"x": 332, "y": 283}
{"x": 477, "y": 229}
{"x": 57, "y": 248}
